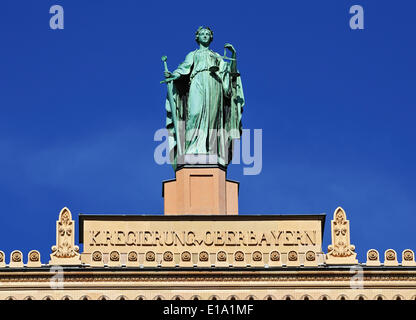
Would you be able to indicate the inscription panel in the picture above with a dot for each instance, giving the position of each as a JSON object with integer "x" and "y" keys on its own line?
{"x": 209, "y": 234}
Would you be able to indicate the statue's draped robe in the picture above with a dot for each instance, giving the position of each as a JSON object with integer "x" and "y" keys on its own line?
{"x": 208, "y": 107}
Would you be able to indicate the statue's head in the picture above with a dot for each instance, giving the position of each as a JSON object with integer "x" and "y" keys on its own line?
{"x": 204, "y": 35}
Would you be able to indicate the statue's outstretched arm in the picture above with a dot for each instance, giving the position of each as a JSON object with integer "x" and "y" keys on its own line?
{"x": 185, "y": 67}
{"x": 230, "y": 47}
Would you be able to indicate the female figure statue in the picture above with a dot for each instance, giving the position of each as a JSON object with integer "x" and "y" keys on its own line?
{"x": 208, "y": 99}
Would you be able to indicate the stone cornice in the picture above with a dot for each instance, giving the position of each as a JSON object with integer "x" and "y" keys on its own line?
{"x": 235, "y": 276}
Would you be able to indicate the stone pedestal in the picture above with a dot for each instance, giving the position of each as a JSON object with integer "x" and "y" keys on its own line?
{"x": 200, "y": 190}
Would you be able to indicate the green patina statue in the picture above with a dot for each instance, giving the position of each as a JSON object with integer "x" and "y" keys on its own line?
{"x": 204, "y": 103}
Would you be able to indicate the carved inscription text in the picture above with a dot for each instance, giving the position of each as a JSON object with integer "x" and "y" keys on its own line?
{"x": 207, "y": 238}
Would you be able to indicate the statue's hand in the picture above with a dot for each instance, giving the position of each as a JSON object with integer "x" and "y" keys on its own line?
{"x": 230, "y": 47}
{"x": 171, "y": 75}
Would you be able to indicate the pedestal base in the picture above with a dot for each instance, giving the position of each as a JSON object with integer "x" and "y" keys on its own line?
{"x": 200, "y": 190}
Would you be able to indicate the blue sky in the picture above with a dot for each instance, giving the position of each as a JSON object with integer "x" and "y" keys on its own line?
{"x": 80, "y": 106}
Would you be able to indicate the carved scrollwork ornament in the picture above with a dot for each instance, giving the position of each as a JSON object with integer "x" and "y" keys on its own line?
{"x": 390, "y": 255}
{"x": 257, "y": 256}
{"x": 168, "y": 256}
{"x": 275, "y": 256}
{"x": 408, "y": 255}
{"x": 97, "y": 256}
{"x": 132, "y": 256}
{"x": 186, "y": 256}
{"x": 114, "y": 256}
{"x": 310, "y": 256}
{"x": 372, "y": 255}
{"x": 239, "y": 256}
{"x": 34, "y": 256}
{"x": 293, "y": 256}
{"x": 16, "y": 257}
{"x": 203, "y": 256}
{"x": 150, "y": 256}
{"x": 1, "y": 257}
{"x": 340, "y": 251}
{"x": 65, "y": 251}
{"x": 222, "y": 256}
